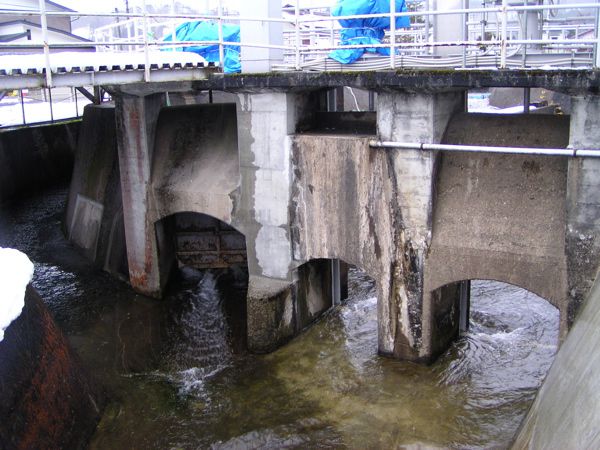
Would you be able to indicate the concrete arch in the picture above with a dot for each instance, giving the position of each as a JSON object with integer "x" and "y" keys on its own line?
{"x": 501, "y": 217}
{"x": 520, "y": 278}
{"x": 447, "y": 308}
{"x": 195, "y": 166}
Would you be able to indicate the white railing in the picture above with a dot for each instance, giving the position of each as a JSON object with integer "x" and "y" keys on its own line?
{"x": 492, "y": 35}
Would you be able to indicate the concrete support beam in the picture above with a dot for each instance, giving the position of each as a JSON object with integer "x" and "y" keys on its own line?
{"x": 266, "y": 123}
{"x": 583, "y": 203}
{"x": 406, "y": 317}
{"x": 136, "y": 119}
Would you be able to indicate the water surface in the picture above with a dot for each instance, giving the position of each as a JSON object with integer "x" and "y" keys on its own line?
{"x": 177, "y": 378}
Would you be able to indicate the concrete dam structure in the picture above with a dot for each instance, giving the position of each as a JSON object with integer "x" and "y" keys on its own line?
{"x": 246, "y": 170}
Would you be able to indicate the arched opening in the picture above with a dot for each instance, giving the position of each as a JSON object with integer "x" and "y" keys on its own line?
{"x": 324, "y": 283}
{"x": 204, "y": 263}
{"x": 499, "y": 327}
{"x": 454, "y": 305}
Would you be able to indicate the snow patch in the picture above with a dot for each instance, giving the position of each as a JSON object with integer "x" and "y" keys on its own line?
{"x": 16, "y": 271}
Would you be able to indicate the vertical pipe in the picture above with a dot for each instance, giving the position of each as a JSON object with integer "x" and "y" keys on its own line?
{"x": 427, "y": 25}
{"x": 51, "y": 110}
{"x": 221, "y": 49}
{"x": 336, "y": 290}
{"x": 597, "y": 45}
{"x": 525, "y": 36}
{"x": 503, "y": 43}
{"x": 393, "y": 34}
{"x": 331, "y": 33}
{"x": 22, "y": 106}
{"x": 464, "y": 306}
{"x": 76, "y": 105}
{"x": 173, "y": 27}
{"x": 297, "y": 37}
{"x": 526, "y": 99}
{"x": 44, "y": 23}
{"x": 146, "y": 53}
{"x": 483, "y": 21}
{"x": 465, "y": 32}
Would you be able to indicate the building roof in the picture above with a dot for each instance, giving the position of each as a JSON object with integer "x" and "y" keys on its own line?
{"x": 50, "y": 29}
{"x": 33, "y": 5}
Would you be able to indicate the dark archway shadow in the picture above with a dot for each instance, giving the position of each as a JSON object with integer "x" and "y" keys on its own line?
{"x": 205, "y": 262}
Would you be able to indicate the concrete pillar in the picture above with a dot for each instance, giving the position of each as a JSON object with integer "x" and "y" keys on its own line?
{"x": 583, "y": 204}
{"x": 266, "y": 122}
{"x": 448, "y": 27}
{"x": 256, "y": 59}
{"x": 406, "y": 318}
{"x": 136, "y": 119}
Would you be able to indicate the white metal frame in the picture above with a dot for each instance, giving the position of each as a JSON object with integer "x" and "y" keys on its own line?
{"x": 421, "y": 46}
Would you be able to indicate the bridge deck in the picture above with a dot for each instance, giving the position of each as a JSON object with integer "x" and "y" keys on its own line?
{"x": 75, "y": 69}
{"x": 431, "y": 80}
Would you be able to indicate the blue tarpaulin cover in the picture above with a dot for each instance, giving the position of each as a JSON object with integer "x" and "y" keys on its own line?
{"x": 209, "y": 31}
{"x": 364, "y": 31}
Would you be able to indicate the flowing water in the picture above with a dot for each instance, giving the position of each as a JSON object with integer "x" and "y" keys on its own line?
{"x": 177, "y": 379}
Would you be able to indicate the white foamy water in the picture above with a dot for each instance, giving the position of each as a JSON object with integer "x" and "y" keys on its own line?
{"x": 199, "y": 332}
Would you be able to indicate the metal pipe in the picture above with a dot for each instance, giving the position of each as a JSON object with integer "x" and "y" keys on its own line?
{"x": 146, "y": 53}
{"x": 336, "y": 289}
{"x": 393, "y": 34}
{"x": 221, "y": 47}
{"x": 297, "y": 33}
{"x": 503, "y": 43}
{"x": 572, "y": 152}
{"x": 44, "y": 23}
{"x": 427, "y": 22}
{"x": 597, "y": 46}
{"x": 76, "y": 105}
{"x": 51, "y": 109}
{"x": 586, "y": 5}
{"x": 22, "y": 106}
{"x": 173, "y": 24}
{"x": 465, "y": 31}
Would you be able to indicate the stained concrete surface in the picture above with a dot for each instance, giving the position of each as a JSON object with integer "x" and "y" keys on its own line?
{"x": 502, "y": 217}
{"x": 195, "y": 166}
{"x": 34, "y": 158}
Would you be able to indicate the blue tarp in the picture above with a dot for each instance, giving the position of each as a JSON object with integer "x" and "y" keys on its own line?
{"x": 364, "y": 31}
{"x": 209, "y": 31}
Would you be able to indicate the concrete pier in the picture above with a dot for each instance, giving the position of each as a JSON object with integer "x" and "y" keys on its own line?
{"x": 267, "y": 162}
{"x": 583, "y": 204}
{"x": 136, "y": 119}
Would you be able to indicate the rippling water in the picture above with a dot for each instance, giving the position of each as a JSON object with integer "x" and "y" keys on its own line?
{"x": 177, "y": 379}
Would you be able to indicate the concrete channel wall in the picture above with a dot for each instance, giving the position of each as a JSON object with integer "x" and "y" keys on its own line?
{"x": 94, "y": 216}
{"x": 565, "y": 413}
{"x": 33, "y": 158}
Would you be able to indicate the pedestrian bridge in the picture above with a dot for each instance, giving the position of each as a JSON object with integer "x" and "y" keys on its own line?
{"x": 463, "y": 34}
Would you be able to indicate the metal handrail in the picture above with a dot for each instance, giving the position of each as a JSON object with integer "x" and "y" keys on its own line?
{"x": 500, "y": 40}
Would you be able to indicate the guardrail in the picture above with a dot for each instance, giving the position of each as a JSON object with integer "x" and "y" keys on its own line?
{"x": 491, "y": 35}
